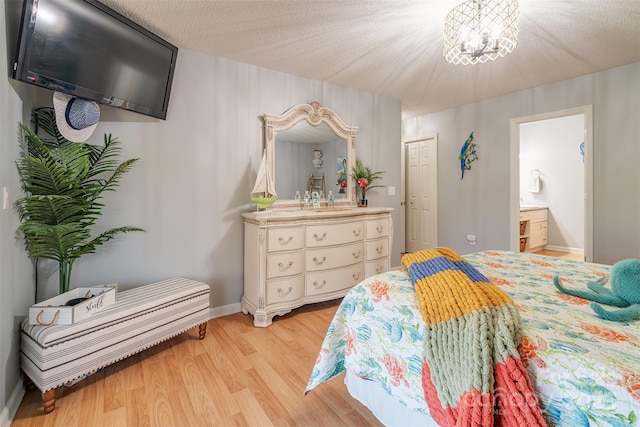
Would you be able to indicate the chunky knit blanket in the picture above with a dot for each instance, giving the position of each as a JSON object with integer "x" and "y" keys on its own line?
{"x": 472, "y": 374}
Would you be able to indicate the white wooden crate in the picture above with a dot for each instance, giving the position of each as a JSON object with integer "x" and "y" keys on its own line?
{"x": 54, "y": 311}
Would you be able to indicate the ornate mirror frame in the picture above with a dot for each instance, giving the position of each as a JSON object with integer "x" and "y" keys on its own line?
{"x": 315, "y": 114}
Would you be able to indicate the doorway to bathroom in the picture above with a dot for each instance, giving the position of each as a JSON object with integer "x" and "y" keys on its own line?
{"x": 551, "y": 167}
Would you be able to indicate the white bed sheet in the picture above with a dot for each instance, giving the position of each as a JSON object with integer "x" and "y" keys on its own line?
{"x": 387, "y": 409}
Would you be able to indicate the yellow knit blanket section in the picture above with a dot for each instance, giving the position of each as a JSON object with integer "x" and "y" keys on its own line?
{"x": 472, "y": 374}
{"x": 447, "y": 287}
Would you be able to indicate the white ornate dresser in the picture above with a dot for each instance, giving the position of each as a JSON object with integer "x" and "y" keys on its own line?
{"x": 296, "y": 257}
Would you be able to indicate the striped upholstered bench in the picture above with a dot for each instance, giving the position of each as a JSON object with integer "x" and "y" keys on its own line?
{"x": 140, "y": 318}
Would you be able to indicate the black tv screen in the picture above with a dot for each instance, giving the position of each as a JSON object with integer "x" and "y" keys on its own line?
{"x": 85, "y": 49}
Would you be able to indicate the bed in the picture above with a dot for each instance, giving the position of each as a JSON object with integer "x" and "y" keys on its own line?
{"x": 584, "y": 370}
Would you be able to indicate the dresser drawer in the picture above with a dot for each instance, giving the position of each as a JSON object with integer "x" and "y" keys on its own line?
{"x": 333, "y": 257}
{"x": 287, "y": 289}
{"x": 334, "y": 234}
{"x": 284, "y": 264}
{"x": 376, "y": 228}
{"x": 374, "y": 249}
{"x": 322, "y": 282}
{"x": 285, "y": 238}
{"x": 378, "y": 266}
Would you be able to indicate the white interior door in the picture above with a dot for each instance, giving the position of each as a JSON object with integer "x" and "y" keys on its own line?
{"x": 421, "y": 175}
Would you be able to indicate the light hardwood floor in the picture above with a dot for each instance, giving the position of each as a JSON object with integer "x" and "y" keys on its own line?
{"x": 238, "y": 375}
{"x": 558, "y": 254}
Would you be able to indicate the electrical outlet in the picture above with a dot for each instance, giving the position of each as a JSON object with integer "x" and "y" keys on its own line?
{"x": 391, "y": 191}
{"x": 471, "y": 238}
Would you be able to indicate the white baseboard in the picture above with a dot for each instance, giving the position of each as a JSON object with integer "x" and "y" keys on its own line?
{"x": 13, "y": 403}
{"x": 224, "y": 310}
{"x": 564, "y": 249}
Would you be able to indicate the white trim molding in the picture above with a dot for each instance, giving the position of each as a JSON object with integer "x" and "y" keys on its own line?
{"x": 13, "y": 403}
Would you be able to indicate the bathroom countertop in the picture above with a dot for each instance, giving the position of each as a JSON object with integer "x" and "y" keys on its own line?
{"x": 527, "y": 208}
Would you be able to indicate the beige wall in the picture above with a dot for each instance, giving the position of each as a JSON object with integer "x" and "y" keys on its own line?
{"x": 16, "y": 273}
{"x": 196, "y": 170}
{"x": 479, "y": 204}
{"x": 191, "y": 184}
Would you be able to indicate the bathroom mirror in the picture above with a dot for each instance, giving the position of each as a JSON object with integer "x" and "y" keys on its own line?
{"x": 305, "y": 144}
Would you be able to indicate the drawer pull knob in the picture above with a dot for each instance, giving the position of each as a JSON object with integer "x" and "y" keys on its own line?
{"x": 318, "y": 238}
{"x": 379, "y": 249}
{"x": 357, "y": 232}
{"x": 380, "y": 229}
{"x": 283, "y": 293}
{"x": 285, "y": 267}
{"x": 379, "y": 269}
{"x": 356, "y": 277}
{"x": 285, "y": 242}
{"x": 319, "y": 261}
{"x": 356, "y": 255}
{"x": 319, "y": 285}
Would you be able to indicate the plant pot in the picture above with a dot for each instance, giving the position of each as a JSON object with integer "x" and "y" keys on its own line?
{"x": 362, "y": 203}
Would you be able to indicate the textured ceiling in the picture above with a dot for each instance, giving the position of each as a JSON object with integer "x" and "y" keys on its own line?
{"x": 394, "y": 47}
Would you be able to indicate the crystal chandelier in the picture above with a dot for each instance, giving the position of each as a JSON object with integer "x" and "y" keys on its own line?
{"x": 478, "y": 31}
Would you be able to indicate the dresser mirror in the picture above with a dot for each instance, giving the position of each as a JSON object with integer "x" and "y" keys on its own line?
{"x": 309, "y": 147}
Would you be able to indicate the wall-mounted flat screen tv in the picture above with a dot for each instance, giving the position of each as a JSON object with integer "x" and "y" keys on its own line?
{"x": 85, "y": 49}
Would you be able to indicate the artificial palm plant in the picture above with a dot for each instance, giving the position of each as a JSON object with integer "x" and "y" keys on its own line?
{"x": 364, "y": 177}
{"x": 64, "y": 182}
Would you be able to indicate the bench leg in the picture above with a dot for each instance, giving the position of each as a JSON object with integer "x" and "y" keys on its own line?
{"x": 202, "y": 330}
{"x": 49, "y": 400}
{"x": 28, "y": 382}
{"x": 48, "y": 397}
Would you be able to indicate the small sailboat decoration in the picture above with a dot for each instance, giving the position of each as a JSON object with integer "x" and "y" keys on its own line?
{"x": 264, "y": 184}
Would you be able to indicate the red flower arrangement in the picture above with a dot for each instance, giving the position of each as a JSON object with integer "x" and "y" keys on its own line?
{"x": 364, "y": 177}
{"x": 342, "y": 183}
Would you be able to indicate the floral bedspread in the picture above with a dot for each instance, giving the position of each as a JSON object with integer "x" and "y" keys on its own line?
{"x": 585, "y": 370}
